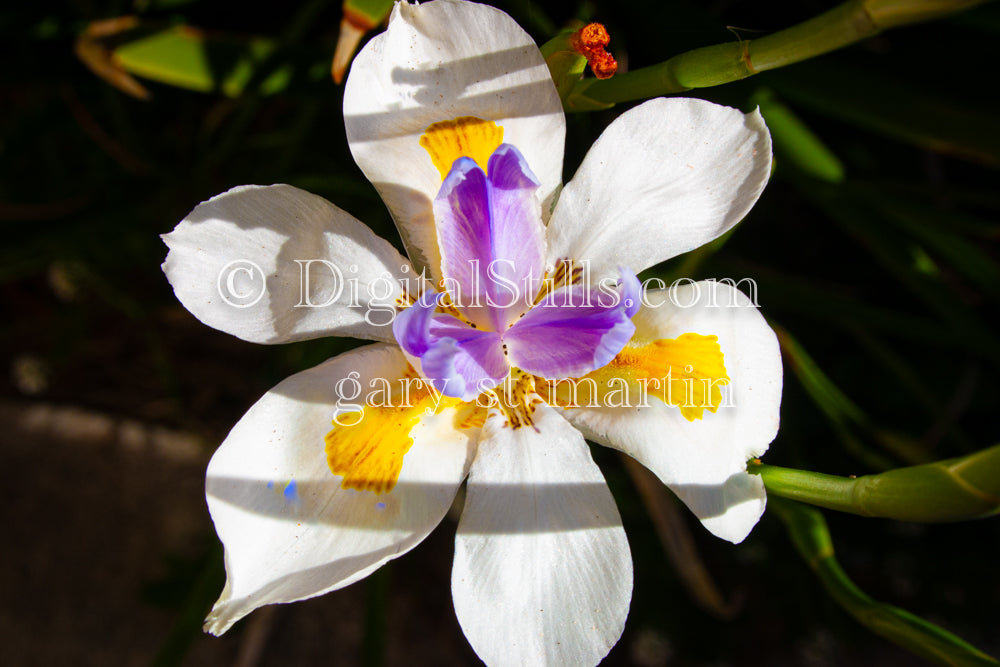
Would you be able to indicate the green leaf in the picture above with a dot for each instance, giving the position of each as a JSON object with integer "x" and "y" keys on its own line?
{"x": 936, "y": 230}
{"x": 867, "y": 225}
{"x": 811, "y": 537}
{"x": 794, "y": 141}
{"x": 826, "y": 303}
{"x": 189, "y": 58}
{"x": 882, "y": 102}
{"x": 833, "y": 402}
{"x": 842, "y": 413}
{"x": 197, "y": 601}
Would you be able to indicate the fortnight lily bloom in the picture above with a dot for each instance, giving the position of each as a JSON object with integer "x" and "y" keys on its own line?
{"x": 530, "y": 332}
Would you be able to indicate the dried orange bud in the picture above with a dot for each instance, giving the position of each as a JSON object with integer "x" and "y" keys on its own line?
{"x": 603, "y": 65}
{"x": 590, "y": 42}
{"x": 590, "y": 37}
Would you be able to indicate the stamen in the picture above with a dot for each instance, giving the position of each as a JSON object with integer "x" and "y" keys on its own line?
{"x": 517, "y": 399}
{"x": 566, "y": 272}
{"x": 446, "y": 305}
{"x": 469, "y": 416}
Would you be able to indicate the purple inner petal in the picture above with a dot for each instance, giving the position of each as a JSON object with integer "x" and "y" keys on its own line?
{"x": 493, "y": 248}
{"x": 492, "y": 238}
{"x": 412, "y": 326}
{"x": 464, "y": 362}
{"x": 459, "y": 360}
{"x": 569, "y": 334}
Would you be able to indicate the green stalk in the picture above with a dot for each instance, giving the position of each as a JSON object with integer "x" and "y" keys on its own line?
{"x": 373, "y": 636}
{"x": 811, "y": 537}
{"x": 951, "y": 490}
{"x": 845, "y": 24}
{"x": 566, "y": 66}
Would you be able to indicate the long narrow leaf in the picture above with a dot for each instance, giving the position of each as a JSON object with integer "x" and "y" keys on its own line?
{"x": 884, "y": 103}
{"x": 189, "y": 58}
{"x": 811, "y": 537}
{"x": 794, "y": 141}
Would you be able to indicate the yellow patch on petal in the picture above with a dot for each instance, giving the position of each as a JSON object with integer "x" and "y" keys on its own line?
{"x": 686, "y": 372}
{"x": 366, "y": 447}
{"x": 467, "y": 136}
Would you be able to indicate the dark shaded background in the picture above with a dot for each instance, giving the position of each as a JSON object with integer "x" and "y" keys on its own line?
{"x": 113, "y": 396}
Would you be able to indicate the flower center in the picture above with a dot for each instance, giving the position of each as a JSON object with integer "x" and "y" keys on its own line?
{"x": 506, "y": 333}
{"x": 516, "y": 397}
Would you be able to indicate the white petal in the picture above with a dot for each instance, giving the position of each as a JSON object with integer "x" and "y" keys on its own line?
{"x": 704, "y": 461}
{"x": 286, "y": 543}
{"x": 241, "y": 262}
{"x": 663, "y": 179}
{"x": 543, "y": 573}
{"x": 439, "y": 61}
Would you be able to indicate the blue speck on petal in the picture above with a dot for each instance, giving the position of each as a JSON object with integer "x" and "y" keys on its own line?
{"x": 380, "y": 506}
{"x": 270, "y": 485}
{"x": 631, "y": 291}
{"x": 291, "y": 492}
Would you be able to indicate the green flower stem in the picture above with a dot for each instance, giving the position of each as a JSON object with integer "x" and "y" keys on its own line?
{"x": 951, "y": 490}
{"x": 845, "y": 24}
{"x": 811, "y": 537}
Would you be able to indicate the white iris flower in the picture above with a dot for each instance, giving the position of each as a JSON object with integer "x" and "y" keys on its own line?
{"x": 453, "y": 117}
